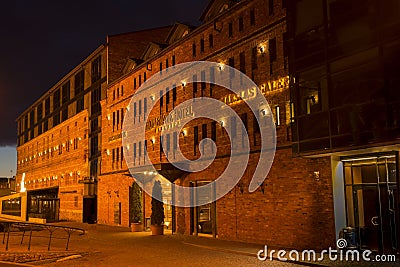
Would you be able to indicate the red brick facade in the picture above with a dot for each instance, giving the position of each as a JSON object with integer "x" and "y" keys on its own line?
{"x": 295, "y": 210}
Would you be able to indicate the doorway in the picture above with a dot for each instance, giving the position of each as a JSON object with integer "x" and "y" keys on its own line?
{"x": 371, "y": 191}
{"x": 203, "y": 219}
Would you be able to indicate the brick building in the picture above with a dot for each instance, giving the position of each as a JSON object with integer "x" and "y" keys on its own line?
{"x": 59, "y": 136}
{"x": 292, "y": 208}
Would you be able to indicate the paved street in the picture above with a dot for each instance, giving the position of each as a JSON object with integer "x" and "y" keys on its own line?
{"x": 117, "y": 246}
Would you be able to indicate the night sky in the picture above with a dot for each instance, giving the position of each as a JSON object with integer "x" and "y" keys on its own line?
{"x": 41, "y": 41}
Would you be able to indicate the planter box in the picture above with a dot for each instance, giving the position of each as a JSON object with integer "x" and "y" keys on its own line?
{"x": 157, "y": 229}
{"x": 136, "y": 227}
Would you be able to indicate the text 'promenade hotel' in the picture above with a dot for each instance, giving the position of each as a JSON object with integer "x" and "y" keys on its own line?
{"x": 328, "y": 71}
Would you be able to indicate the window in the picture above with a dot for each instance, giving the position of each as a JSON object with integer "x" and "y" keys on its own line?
{"x": 254, "y": 64}
{"x": 134, "y": 112}
{"x": 242, "y": 62}
{"x": 230, "y": 29}
{"x": 113, "y": 121}
{"x": 122, "y": 116}
{"x": 140, "y": 80}
{"x": 117, "y": 119}
{"x": 122, "y": 90}
{"x": 212, "y": 80}
{"x": 252, "y": 17}
{"x": 194, "y": 50}
{"x": 233, "y": 127}
{"x": 56, "y": 119}
{"x": 173, "y": 60}
{"x": 56, "y": 99}
{"x": 134, "y": 83}
{"x": 47, "y": 106}
{"x": 117, "y": 154}
{"x": 203, "y": 131}
{"x": 166, "y": 99}
{"x": 214, "y": 131}
{"x": 272, "y": 50}
{"x": 113, "y": 155}
{"x": 65, "y": 92}
{"x": 211, "y": 40}
{"x": 271, "y": 7}
{"x": 40, "y": 112}
{"x": 144, "y": 77}
{"x": 145, "y": 107}
{"x": 80, "y": 104}
{"x": 195, "y": 139}
{"x": 64, "y": 114}
{"x": 114, "y": 95}
{"x": 202, "y": 45}
{"x": 194, "y": 85}
{"x": 277, "y": 116}
{"x": 140, "y": 109}
{"x": 166, "y": 63}
{"x": 243, "y": 118}
{"x": 79, "y": 82}
{"x": 118, "y": 92}
{"x": 161, "y": 67}
{"x": 161, "y": 101}
{"x": 174, "y": 95}
{"x": 203, "y": 84}
{"x": 96, "y": 69}
{"x": 241, "y": 24}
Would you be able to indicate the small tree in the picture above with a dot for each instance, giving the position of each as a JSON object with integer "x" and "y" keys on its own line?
{"x": 157, "y": 207}
{"x": 136, "y": 206}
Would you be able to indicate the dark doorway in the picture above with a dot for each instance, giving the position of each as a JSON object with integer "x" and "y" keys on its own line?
{"x": 89, "y": 210}
{"x": 371, "y": 197}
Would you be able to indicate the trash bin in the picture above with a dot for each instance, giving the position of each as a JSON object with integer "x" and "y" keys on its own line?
{"x": 349, "y": 234}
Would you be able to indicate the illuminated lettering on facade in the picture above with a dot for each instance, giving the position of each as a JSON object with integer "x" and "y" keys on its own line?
{"x": 171, "y": 120}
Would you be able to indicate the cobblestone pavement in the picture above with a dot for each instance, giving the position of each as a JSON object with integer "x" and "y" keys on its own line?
{"x": 117, "y": 246}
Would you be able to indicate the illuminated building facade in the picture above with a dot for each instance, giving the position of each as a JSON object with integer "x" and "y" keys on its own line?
{"x": 59, "y": 136}
{"x": 291, "y": 208}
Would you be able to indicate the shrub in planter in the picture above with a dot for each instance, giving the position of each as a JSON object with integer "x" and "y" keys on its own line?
{"x": 157, "y": 210}
{"x": 136, "y": 208}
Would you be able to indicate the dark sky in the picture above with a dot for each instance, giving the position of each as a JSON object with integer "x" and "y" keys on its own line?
{"x": 41, "y": 41}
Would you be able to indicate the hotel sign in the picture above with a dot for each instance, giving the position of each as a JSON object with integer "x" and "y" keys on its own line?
{"x": 116, "y": 137}
{"x": 270, "y": 86}
{"x": 171, "y": 120}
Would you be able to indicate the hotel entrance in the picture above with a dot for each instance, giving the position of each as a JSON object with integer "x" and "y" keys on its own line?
{"x": 203, "y": 219}
{"x": 371, "y": 191}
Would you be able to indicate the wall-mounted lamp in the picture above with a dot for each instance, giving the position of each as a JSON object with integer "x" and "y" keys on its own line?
{"x": 184, "y": 132}
{"x": 241, "y": 187}
{"x": 316, "y": 176}
{"x": 128, "y": 108}
{"x": 221, "y": 66}
{"x": 262, "y": 48}
{"x": 184, "y": 83}
{"x": 264, "y": 112}
{"x": 108, "y": 117}
{"x": 262, "y": 186}
{"x": 152, "y": 97}
{"x": 222, "y": 123}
